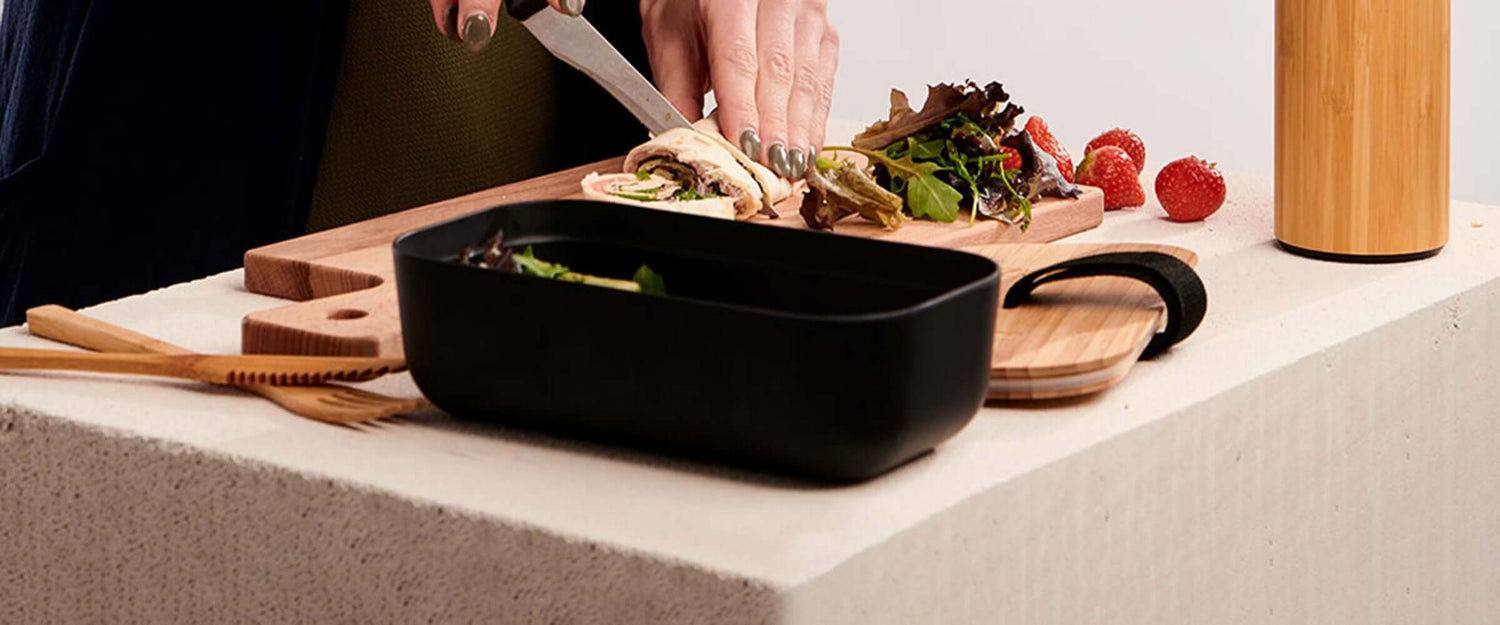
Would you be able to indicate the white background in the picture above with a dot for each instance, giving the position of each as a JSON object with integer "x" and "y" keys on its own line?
{"x": 1190, "y": 76}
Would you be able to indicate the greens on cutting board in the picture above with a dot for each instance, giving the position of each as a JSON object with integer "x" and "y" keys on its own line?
{"x": 497, "y": 256}
{"x": 960, "y": 153}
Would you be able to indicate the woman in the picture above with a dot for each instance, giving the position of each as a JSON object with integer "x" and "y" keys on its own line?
{"x": 141, "y": 145}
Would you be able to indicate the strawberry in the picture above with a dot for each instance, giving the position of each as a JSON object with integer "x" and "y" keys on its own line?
{"x": 1012, "y": 158}
{"x": 1042, "y": 136}
{"x": 1123, "y": 139}
{"x": 1190, "y": 189}
{"x": 1111, "y": 169}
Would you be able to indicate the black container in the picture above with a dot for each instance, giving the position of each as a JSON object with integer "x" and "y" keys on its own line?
{"x": 811, "y": 354}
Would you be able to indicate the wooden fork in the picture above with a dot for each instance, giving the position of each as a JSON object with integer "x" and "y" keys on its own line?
{"x": 272, "y": 370}
{"x": 327, "y": 403}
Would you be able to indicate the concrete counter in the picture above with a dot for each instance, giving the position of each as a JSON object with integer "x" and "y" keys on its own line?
{"x": 1325, "y": 449}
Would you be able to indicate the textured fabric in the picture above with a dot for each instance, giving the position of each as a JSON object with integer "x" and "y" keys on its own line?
{"x": 417, "y": 118}
{"x": 144, "y": 144}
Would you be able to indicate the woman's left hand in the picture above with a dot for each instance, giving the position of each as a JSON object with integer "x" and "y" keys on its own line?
{"x": 770, "y": 64}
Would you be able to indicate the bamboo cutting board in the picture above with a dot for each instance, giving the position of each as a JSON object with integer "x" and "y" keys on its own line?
{"x": 1074, "y": 337}
{"x": 343, "y": 279}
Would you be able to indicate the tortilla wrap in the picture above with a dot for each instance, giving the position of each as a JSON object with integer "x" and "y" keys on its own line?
{"x": 604, "y": 187}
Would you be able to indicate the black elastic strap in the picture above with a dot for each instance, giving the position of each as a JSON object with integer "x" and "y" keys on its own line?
{"x": 1175, "y": 281}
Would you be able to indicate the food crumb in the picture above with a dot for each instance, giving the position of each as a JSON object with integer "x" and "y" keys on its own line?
{"x": 1476, "y": 225}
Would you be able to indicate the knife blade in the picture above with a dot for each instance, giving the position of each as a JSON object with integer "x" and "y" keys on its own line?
{"x": 576, "y": 42}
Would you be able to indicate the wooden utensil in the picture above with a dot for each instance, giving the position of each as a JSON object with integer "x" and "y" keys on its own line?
{"x": 273, "y": 370}
{"x": 326, "y": 403}
{"x": 344, "y": 278}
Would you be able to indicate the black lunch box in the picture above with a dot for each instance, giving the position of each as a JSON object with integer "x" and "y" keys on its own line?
{"x": 776, "y": 349}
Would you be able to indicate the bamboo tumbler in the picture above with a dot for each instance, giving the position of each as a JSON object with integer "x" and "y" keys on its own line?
{"x": 1362, "y": 128}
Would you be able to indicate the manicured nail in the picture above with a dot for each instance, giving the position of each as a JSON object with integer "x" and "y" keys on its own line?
{"x": 750, "y": 144}
{"x": 798, "y": 164}
{"x": 450, "y": 24}
{"x": 477, "y": 31}
{"x": 777, "y": 156}
{"x": 573, "y": 7}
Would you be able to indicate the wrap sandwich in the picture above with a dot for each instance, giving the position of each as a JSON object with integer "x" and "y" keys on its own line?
{"x": 695, "y": 171}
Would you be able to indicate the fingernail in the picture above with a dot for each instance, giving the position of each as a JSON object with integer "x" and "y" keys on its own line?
{"x": 450, "y": 24}
{"x": 777, "y": 156}
{"x": 750, "y": 144}
{"x": 477, "y": 31}
{"x": 573, "y": 7}
{"x": 798, "y": 163}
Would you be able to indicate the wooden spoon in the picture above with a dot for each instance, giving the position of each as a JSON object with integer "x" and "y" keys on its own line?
{"x": 326, "y": 403}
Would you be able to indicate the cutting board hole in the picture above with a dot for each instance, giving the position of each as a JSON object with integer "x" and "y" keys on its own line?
{"x": 347, "y": 314}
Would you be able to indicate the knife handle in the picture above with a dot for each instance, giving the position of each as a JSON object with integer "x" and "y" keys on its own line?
{"x": 524, "y": 9}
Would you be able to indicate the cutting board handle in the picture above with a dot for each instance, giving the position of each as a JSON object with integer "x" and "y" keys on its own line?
{"x": 1175, "y": 281}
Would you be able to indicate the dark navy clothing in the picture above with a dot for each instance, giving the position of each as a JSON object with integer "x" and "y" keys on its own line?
{"x": 147, "y": 143}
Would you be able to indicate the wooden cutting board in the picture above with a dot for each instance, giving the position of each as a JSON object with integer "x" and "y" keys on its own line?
{"x": 343, "y": 279}
{"x": 1073, "y": 337}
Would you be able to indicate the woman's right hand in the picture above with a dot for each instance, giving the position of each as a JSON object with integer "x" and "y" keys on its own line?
{"x": 472, "y": 22}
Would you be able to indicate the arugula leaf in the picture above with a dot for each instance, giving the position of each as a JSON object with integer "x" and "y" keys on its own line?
{"x": 926, "y": 194}
{"x": 643, "y": 175}
{"x": 529, "y": 263}
{"x": 932, "y": 198}
{"x": 651, "y": 282}
{"x": 608, "y": 283}
{"x": 688, "y": 195}
{"x": 928, "y": 150}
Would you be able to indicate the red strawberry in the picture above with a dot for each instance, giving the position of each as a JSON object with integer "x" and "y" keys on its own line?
{"x": 1123, "y": 139}
{"x": 1190, "y": 189}
{"x": 1012, "y": 158}
{"x": 1111, "y": 169}
{"x": 1037, "y": 128}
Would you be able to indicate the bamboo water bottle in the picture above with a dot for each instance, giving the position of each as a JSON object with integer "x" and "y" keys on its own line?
{"x": 1362, "y": 128}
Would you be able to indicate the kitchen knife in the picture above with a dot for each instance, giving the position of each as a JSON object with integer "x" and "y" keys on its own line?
{"x": 576, "y": 42}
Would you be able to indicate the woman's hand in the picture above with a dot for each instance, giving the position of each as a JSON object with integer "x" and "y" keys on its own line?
{"x": 770, "y": 64}
{"x": 472, "y": 22}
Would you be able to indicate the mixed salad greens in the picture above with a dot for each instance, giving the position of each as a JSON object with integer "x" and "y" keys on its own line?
{"x": 496, "y": 256}
{"x": 961, "y": 153}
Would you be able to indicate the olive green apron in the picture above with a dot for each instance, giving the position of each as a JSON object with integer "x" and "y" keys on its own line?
{"x": 417, "y": 118}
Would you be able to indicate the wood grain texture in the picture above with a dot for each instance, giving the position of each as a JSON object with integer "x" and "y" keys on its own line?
{"x": 227, "y": 370}
{"x": 1362, "y": 125}
{"x": 344, "y": 277}
{"x": 1074, "y": 329}
{"x": 326, "y": 403}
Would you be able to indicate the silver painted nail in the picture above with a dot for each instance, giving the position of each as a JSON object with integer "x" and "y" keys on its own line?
{"x": 798, "y": 163}
{"x": 477, "y": 31}
{"x": 750, "y": 144}
{"x": 777, "y": 156}
{"x": 573, "y": 7}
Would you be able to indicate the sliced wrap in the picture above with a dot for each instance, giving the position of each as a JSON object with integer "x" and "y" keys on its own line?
{"x": 773, "y": 189}
{"x": 692, "y": 171}
{"x": 654, "y": 192}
